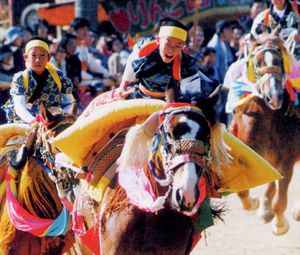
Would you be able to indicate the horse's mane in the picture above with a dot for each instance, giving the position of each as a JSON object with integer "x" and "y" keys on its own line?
{"x": 117, "y": 199}
{"x": 37, "y": 193}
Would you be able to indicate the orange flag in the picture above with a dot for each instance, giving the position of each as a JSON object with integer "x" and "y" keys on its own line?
{"x": 130, "y": 41}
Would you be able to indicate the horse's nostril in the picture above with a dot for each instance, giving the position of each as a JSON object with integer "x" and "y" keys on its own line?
{"x": 179, "y": 197}
{"x": 269, "y": 99}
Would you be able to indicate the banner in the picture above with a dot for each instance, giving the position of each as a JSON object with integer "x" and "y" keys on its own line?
{"x": 141, "y": 15}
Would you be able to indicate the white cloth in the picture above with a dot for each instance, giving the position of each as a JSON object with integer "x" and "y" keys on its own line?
{"x": 21, "y": 109}
{"x": 237, "y": 82}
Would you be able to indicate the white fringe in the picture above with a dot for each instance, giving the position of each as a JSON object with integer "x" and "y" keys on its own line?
{"x": 219, "y": 150}
{"x": 137, "y": 148}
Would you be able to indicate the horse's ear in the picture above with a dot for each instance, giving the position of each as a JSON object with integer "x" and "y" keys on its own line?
{"x": 209, "y": 101}
{"x": 213, "y": 98}
{"x": 47, "y": 116}
{"x": 206, "y": 104}
{"x": 170, "y": 95}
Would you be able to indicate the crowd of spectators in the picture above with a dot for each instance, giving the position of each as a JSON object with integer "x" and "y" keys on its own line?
{"x": 95, "y": 61}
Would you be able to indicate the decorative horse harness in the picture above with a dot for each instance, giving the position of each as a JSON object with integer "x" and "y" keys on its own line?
{"x": 264, "y": 73}
{"x": 179, "y": 152}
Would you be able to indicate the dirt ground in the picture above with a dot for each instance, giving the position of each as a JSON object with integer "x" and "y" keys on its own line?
{"x": 243, "y": 234}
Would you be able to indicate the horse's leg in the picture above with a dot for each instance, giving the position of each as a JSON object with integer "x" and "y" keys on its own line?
{"x": 296, "y": 206}
{"x": 265, "y": 211}
{"x": 296, "y": 210}
{"x": 280, "y": 224}
{"x": 249, "y": 203}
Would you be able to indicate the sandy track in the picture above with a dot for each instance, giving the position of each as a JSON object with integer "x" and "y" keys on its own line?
{"x": 242, "y": 233}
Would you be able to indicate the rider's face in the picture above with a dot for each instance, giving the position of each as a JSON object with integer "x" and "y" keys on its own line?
{"x": 36, "y": 59}
{"x": 169, "y": 48}
{"x": 279, "y": 4}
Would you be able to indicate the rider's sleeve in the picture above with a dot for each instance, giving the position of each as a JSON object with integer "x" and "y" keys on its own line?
{"x": 67, "y": 101}
{"x": 20, "y": 108}
{"x": 191, "y": 85}
{"x": 67, "y": 85}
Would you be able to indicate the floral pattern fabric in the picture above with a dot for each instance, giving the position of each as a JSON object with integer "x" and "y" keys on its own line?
{"x": 50, "y": 94}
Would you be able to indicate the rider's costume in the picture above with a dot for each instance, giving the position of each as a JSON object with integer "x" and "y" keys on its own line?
{"x": 41, "y": 89}
{"x": 152, "y": 76}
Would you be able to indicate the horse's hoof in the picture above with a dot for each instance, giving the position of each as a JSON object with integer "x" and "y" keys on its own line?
{"x": 296, "y": 211}
{"x": 280, "y": 230}
{"x": 252, "y": 206}
{"x": 265, "y": 216}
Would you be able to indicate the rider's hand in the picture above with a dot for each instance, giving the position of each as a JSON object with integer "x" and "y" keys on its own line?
{"x": 123, "y": 93}
{"x": 297, "y": 37}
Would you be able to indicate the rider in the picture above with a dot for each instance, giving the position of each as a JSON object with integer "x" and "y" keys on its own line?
{"x": 280, "y": 12}
{"x": 285, "y": 14}
{"x": 40, "y": 83}
{"x": 160, "y": 63}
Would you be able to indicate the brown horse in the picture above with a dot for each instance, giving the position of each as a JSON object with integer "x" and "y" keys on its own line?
{"x": 160, "y": 215}
{"x": 269, "y": 124}
{"x": 37, "y": 193}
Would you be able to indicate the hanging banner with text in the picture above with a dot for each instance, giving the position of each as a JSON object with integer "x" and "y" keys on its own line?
{"x": 141, "y": 15}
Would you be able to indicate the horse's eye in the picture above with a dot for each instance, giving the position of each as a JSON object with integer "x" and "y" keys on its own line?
{"x": 169, "y": 135}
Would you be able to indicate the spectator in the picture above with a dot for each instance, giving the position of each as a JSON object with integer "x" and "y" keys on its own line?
{"x": 196, "y": 39}
{"x": 59, "y": 59}
{"x": 117, "y": 61}
{"x": 235, "y": 41}
{"x": 28, "y": 34}
{"x": 41, "y": 28}
{"x": 103, "y": 51}
{"x": 73, "y": 65}
{"x": 6, "y": 76}
{"x": 14, "y": 38}
{"x": 90, "y": 66}
{"x": 256, "y": 7}
{"x": 6, "y": 64}
{"x": 220, "y": 42}
{"x": 207, "y": 67}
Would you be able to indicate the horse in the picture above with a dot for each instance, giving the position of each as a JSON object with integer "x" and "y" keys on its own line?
{"x": 34, "y": 194}
{"x": 268, "y": 122}
{"x": 164, "y": 181}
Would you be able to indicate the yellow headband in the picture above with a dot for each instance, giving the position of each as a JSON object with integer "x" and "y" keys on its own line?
{"x": 36, "y": 43}
{"x": 171, "y": 31}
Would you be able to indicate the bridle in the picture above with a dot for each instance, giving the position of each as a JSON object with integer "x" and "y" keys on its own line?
{"x": 177, "y": 152}
{"x": 45, "y": 153}
{"x": 264, "y": 73}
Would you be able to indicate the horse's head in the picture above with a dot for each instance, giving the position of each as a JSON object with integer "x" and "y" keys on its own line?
{"x": 270, "y": 62}
{"x": 185, "y": 136}
{"x": 178, "y": 158}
